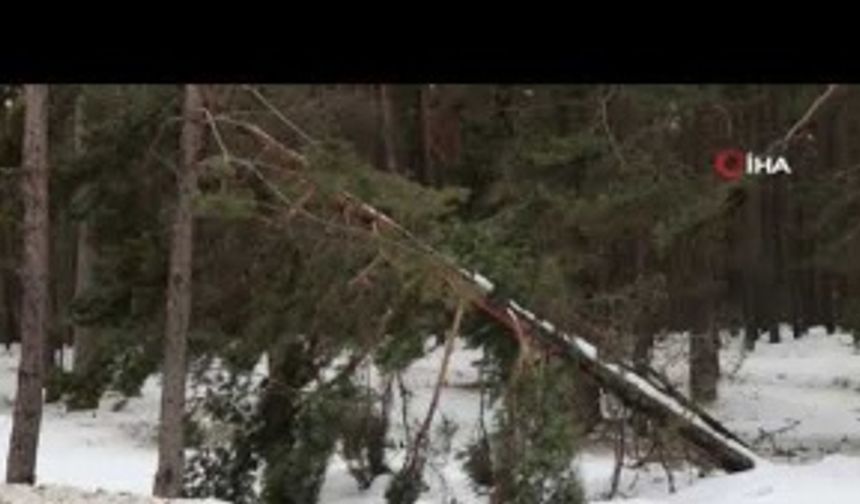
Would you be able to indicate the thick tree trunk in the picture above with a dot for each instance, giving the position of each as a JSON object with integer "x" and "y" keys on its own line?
{"x": 27, "y": 416}
{"x": 168, "y": 478}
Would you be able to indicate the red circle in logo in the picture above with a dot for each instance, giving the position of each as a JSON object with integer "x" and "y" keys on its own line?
{"x": 729, "y": 164}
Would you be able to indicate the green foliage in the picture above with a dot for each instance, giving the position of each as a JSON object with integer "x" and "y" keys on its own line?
{"x": 478, "y": 464}
{"x": 225, "y": 459}
{"x": 295, "y": 471}
{"x": 537, "y": 439}
{"x": 225, "y": 206}
{"x": 364, "y": 434}
{"x": 337, "y": 167}
{"x": 405, "y": 488}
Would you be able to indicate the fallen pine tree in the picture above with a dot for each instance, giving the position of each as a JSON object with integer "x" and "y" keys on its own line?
{"x": 641, "y": 389}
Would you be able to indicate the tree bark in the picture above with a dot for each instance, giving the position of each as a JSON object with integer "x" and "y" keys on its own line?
{"x": 27, "y": 416}
{"x": 704, "y": 363}
{"x": 751, "y": 268}
{"x": 10, "y": 290}
{"x": 83, "y": 337}
{"x": 168, "y": 478}
{"x": 387, "y": 128}
{"x": 427, "y": 175}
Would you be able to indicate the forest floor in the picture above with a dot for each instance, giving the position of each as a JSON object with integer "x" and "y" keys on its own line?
{"x": 797, "y": 402}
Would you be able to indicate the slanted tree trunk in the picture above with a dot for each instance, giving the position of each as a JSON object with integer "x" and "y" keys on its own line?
{"x": 27, "y": 416}
{"x": 168, "y": 478}
{"x": 645, "y": 391}
{"x": 642, "y": 390}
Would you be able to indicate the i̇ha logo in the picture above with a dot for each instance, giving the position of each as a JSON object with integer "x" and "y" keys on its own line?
{"x": 732, "y": 164}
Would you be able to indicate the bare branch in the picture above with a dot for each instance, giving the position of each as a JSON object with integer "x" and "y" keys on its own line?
{"x": 265, "y": 138}
{"x": 604, "y": 114}
{"x": 217, "y": 134}
{"x": 415, "y": 459}
{"x": 810, "y": 112}
{"x": 262, "y": 99}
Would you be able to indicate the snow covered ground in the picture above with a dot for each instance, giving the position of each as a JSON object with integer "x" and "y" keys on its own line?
{"x": 57, "y": 494}
{"x": 798, "y": 402}
{"x": 109, "y": 450}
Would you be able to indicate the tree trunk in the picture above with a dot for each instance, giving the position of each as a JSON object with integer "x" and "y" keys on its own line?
{"x": 10, "y": 290}
{"x": 826, "y": 300}
{"x": 704, "y": 363}
{"x": 387, "y": 128}
{"x": 27, "y": 416}
{"x": 83, "y": 337}
{"x": 644, "y": 391}
{"x": 52, "y": 341}
{"x": 644, "y": 327}
{"x": 751, "y": 267}
{"x": 168, "y": 478}
{"x": 427, "y": 175}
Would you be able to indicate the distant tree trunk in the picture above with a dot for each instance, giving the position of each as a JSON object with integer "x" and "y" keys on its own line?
{"x": 10, "y": 290}
{"x": 825, "y": 297}
{"x": 386, "y": 115}
{"x": 642, "y": 349}
{"x": 52, "y": 341}
{"x": 561, "y": 115}
{"x": 704, "y": 363}
{"x": 704, "y": 335}
{"x": 27, "y": 416}
{"x": 752, "y": 301}
{"x": 7, "y": 336}
{"x": 427, "y": 175}
{"x": 168, "y": 478}
{"x": 795, "y": 269}
{"x": 771, "y": 295}
{"x": 83, "y": 337}
{"x": 644, "y": 326}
